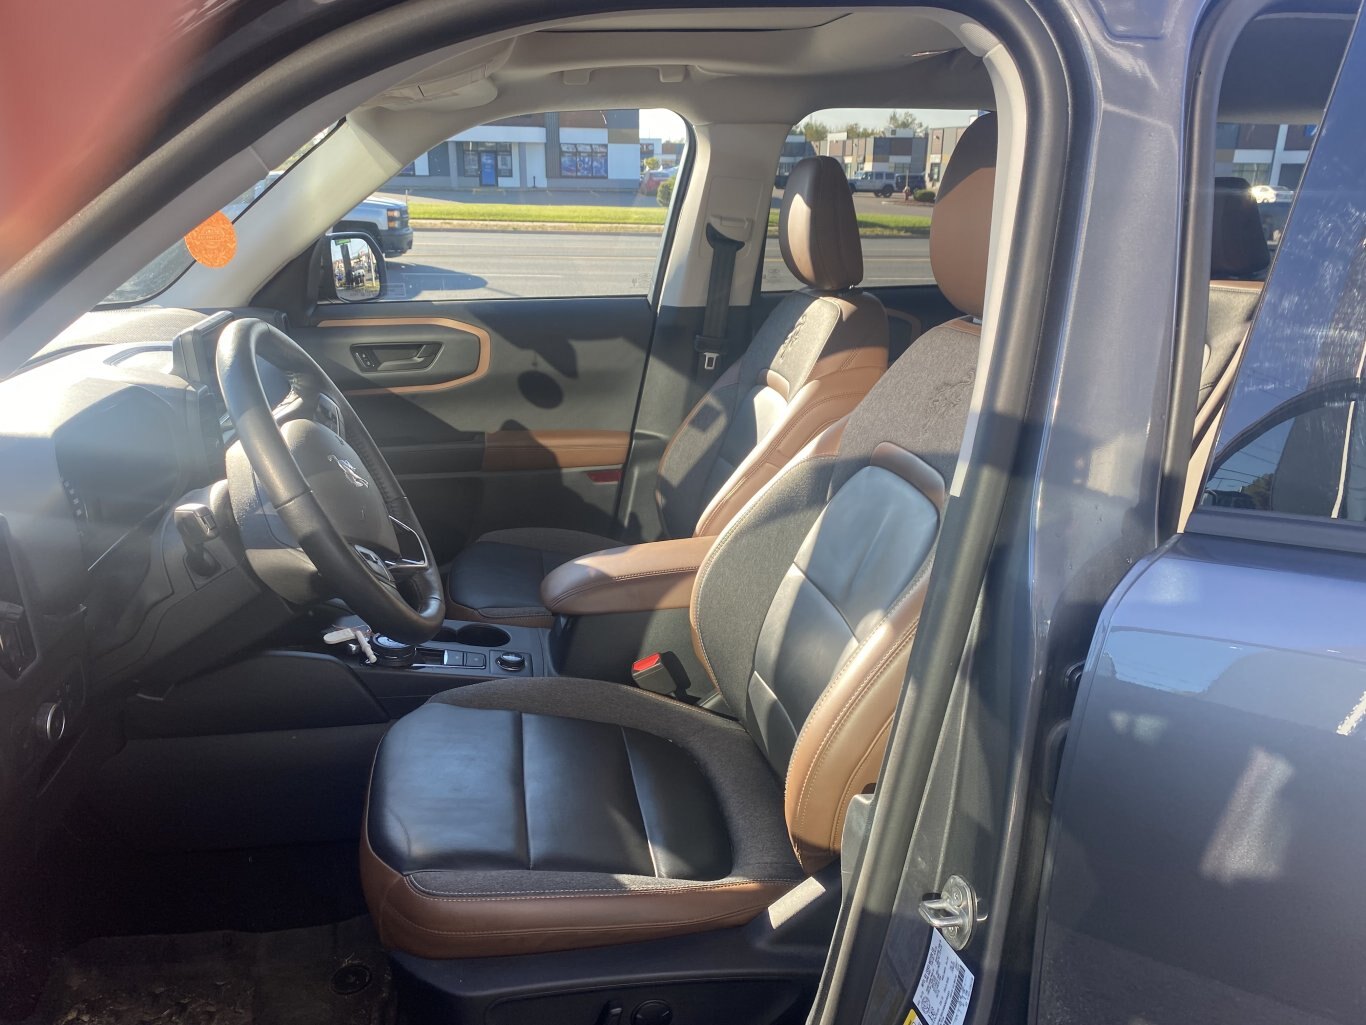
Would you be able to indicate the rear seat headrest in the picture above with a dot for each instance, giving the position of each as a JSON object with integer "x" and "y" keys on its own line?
{"x": 1238, "y": 246}
{"x": 817, "y": 229}
{"x": 960, "y": 231}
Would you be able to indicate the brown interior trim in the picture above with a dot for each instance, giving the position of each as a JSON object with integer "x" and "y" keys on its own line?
{"x": 552, "y": 449}
{"x": 482, "y": 368}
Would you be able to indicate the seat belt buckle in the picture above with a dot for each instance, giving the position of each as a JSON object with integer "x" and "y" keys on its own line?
{"x": 709, "y": 349}
{"x": 653, "y": 673}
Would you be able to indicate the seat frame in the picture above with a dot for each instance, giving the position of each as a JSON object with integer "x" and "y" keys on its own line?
{"x": 766, "y": 971}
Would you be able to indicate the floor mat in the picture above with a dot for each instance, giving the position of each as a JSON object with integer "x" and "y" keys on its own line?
{"x": 334, "y": 974}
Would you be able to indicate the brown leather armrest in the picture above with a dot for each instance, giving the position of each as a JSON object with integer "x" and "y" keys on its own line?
{"x": 657, "y": 575}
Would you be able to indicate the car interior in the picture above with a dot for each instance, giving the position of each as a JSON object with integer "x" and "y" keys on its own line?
{"x": 533, "y": 678}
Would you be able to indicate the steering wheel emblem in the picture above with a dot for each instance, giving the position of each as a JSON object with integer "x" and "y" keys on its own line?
{"x": 349, "y": 470}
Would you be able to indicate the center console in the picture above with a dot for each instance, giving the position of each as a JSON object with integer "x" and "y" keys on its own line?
{"x": 403, "y": 676}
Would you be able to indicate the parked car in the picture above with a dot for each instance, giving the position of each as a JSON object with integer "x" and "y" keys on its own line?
{"x": 1272, "y": 193}
{"x": 383, "y": 219}
{"x": 649, "y": 181}
{"x": 881, "y": 183}
{"x": 916, "y": 182}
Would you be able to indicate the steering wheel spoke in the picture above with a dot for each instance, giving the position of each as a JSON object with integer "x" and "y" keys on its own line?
{"x": 395, "y": 564}
{"x": 318, "y": 407}
{"x": 377, "y": 564}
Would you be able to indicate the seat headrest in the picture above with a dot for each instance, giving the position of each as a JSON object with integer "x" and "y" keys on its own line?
{"x": 817, "y": 229}
{"x": 1238, "y": 246}
{"x": 960, "y": 231}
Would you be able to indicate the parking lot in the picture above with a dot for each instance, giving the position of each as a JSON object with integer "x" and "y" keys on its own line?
{"x": 489, "y": 264}
{"x": 508, "y": 264}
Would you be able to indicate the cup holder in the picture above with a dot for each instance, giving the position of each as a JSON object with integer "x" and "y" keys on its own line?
{"x": 476, "y": 635}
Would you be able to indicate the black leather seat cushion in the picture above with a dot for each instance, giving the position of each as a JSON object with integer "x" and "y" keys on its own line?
{"x": 556, "y": 813}
{"x": 484, "y": 789}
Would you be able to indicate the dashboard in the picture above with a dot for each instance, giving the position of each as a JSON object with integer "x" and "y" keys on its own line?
{"x": 101, "y": 439}
{"x": 118, "y": 468}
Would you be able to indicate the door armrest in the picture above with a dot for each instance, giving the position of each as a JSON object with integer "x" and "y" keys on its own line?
{"x": 636, "y": 578}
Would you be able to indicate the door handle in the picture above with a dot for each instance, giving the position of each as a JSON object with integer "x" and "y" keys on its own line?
{"x": 391, "y": 358}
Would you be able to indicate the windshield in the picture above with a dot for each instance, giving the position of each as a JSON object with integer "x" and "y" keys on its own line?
{"x": 175, "y": 260}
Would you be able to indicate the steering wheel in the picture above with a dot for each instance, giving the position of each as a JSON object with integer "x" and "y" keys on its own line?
{"x": 320, "y": 513}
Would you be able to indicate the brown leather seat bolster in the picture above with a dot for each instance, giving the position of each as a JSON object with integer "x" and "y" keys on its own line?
{"x": 657, "y": 575}
{"x": 819, "y": 403}
{"x": 484, "y": 925}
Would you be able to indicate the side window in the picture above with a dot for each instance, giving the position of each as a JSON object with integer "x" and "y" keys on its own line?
{"x": 1293, "y": 440}
{"x": 893, "y": 160}
{"x": 572, "y": 203}
{"x": 1252, "y": 175}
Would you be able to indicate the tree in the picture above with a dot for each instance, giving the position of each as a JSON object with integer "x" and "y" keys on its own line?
{"x": 854, "y": 130}
{"x": 900, "y": 119}
{"x": 652, "y": 163}
{"x": 815, "y": 131}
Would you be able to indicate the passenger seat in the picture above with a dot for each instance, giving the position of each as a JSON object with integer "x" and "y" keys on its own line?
{"x": 1239, "y": 258}
{"x": 816, "y": 355}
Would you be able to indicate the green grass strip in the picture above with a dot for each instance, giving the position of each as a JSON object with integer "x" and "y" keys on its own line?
{"x": 871, "y": 225}
{"x": 520, "y": 213}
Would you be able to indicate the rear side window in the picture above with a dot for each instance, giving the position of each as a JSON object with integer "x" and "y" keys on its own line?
{"x": 893, "y": 160}
{"x": 1293, "y": 441}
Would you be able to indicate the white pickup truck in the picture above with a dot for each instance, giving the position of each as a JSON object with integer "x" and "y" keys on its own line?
{"x": 383, "y": 219}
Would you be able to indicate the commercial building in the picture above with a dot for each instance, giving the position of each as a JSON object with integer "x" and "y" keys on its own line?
{"x": 667, "y": 153}
{"x": 898, "y": 150}
{"x": 1263, "y": 154}
{"x": 940, "y": 147}
{"x": 795, "y": 147}
{"x": 578, "y": 149}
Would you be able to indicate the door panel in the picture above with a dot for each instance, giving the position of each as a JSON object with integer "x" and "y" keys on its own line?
{"x": 1209, "y": 825}
{"x": 494, "y": 413}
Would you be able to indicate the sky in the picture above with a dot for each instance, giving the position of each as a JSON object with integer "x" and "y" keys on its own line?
{"x": 665, "y": 124}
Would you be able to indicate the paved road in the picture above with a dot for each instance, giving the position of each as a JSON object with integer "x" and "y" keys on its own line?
{"x": 488, "y": 264}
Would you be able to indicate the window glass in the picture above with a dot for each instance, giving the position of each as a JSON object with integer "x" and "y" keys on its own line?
{"x": 893, "y": 160}
{"x": 175, "y": 261}
{"x": 572, "y": 203}
{"x": 1294, "y": 436}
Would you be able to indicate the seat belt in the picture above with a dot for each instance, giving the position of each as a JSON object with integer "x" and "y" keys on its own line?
{"x": 711, "y": 344}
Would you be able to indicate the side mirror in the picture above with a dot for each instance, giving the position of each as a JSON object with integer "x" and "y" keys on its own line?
{"x": 355, "y": 267}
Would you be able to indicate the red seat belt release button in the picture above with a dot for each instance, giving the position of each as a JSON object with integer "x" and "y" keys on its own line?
{"x": 650, "y": 673}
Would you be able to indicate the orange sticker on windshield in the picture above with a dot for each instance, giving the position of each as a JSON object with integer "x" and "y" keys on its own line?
{"x": 213, "y": 243}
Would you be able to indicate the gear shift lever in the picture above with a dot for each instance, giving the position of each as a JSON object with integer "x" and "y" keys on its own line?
{"x": 390, "y": 652}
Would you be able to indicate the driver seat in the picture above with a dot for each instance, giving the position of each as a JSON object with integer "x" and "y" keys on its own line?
{"x": 521, "y": 816}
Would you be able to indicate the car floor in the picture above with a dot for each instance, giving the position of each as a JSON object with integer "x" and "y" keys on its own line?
{"x": 323, "y": 974}
{"x": 99, "y": 932}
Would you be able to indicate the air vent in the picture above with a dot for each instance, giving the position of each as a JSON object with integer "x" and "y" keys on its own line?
{"x": 152, "y": 357}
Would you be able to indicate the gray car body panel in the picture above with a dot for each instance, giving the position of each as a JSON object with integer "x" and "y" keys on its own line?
{"x": 1209, "y": 822}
